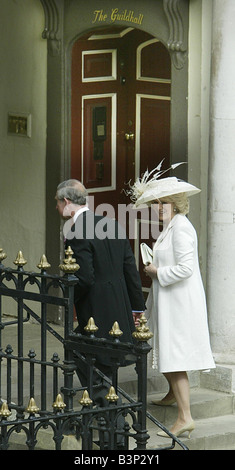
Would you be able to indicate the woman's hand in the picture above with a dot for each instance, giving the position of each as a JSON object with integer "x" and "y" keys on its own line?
{"x": 151, "y": 271}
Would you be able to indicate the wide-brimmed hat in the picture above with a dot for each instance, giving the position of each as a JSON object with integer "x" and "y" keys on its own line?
{"x": 147, "y": 189}
{"x": 166, "y": 187}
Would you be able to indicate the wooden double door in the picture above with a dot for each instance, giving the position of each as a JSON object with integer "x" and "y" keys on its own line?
{"x": 120, "y": 111}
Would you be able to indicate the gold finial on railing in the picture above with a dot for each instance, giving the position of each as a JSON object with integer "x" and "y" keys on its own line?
{"x": 111, "y": 396}
{"x": 91, "y": 326}
{"x": 69, "y": 266}
{"x": 4, "y": 411}
{"x": 43, "y": 263}
{"x": 32, "y": 408}
{"x": 20, "y": 261}
{"x": 59, "y": 404}
{"x": 2, "y": 255}
{"x": 115, "y": 331}
{"x": 142, "y": 332}
{"x": 85, "y": 400}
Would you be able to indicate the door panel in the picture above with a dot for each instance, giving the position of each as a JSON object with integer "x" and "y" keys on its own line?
{"x": 99, "y": 65}
{"x": 98, "y": 157}
{"x": 153, "y": 129}
{"x": 121, "y": 66}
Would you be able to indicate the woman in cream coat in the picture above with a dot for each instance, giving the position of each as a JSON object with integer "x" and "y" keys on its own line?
{"x": 176, "y": 306}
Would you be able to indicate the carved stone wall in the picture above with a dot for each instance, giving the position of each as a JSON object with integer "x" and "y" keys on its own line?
{"x": 174, "y": 11}
{"x": 176, "y": 43}
{"x": 53, "y": 31}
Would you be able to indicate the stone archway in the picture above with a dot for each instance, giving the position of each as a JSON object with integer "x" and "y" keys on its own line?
{"x": 67, "y": 20}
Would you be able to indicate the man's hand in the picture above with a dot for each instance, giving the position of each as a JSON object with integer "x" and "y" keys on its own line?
{"x": 136, "y": 317}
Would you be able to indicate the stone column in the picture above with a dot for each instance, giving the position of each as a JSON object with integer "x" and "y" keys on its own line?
{"x": 221, "y": 214}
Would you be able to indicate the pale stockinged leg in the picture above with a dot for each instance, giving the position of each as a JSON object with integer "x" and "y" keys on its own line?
{"x": 179, "y": 384}
{"x": 169, "y": 399}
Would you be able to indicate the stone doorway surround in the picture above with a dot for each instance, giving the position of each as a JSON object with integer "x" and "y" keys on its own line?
{"x": 66, "y": 21}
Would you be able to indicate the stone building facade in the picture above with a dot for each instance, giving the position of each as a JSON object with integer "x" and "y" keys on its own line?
{"x": 36, "y": 43}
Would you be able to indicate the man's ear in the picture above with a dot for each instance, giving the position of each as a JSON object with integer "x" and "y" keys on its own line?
{"x": 67, "y": 201}
{"x": 69, "y": 209}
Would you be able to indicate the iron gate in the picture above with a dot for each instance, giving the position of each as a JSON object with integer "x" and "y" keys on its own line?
{"x": 64, "y": 416}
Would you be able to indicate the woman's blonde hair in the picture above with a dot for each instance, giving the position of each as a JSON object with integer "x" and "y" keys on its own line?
{"x": 180, "y": 201}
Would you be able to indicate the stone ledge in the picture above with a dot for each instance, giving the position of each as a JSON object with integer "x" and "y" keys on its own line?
{"x": 221, "y": 379}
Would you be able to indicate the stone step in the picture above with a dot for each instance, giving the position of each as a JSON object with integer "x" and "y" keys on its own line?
{"x": 213, "y": 413}
{"x": 204, "y": 404}
{"x": 216, "y": 433}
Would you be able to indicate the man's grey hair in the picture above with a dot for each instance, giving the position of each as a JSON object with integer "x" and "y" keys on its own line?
{"x": 73, "y": 190}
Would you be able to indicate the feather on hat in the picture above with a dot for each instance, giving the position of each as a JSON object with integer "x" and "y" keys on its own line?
{"x": 149, "y": 187}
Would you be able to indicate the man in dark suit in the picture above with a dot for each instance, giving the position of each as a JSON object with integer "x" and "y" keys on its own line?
{"x": 109, "y": 287}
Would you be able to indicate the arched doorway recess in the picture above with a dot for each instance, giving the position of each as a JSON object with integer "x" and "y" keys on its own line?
{"x": 120, "y": 119}
{"x": 65, "y": 23}
{"x": 120, "y": 109}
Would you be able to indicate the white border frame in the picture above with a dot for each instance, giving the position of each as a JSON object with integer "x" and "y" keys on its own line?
{"x": 121, "y": 34}
{"x": 113, "y": 97}
{"x": 114, "y": 65}
{"x": 138, "y": 125}
{"x": 138, "y": 65}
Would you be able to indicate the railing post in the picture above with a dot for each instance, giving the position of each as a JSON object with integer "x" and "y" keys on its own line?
{"x": 4, "y": 414}
{"x": 43, "y": 265}
{"x": 115, "y": 333}
{"x": 112, "y": 399}
{"x": 43, "y": 347}
{"x": 9, "y": 352}
{"x": 20, "y": 262}
{"x": 86, "y": 402}
{"x": 142, "y": 335}
{"x": 2, "y": 257}
{"x": 90, "y": 329}
{"x": 55, "y": 359}
{"x": 32, "y": 409}
{"x": 31, "y": 355}
{"x": 69, "y": 267}
{"x": 58, "y": 407}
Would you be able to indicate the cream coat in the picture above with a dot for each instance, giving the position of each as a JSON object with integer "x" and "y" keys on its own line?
{"x": 176, "y": 305}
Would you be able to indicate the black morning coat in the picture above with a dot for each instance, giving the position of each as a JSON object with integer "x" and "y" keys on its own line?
{"x": 109, "y": 286}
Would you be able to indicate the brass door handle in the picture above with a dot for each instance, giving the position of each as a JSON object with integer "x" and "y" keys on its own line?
{"x": 129, "y": 136}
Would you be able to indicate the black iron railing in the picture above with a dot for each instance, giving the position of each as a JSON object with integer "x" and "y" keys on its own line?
{"x": 62, "y": 415}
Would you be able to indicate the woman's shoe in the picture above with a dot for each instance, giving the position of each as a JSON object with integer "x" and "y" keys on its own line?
{"x": 164, "y": 402}
{"x": 187, "y": 428}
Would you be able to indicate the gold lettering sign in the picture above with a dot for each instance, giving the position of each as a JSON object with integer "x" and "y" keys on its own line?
{"x": 99, "y": 16}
